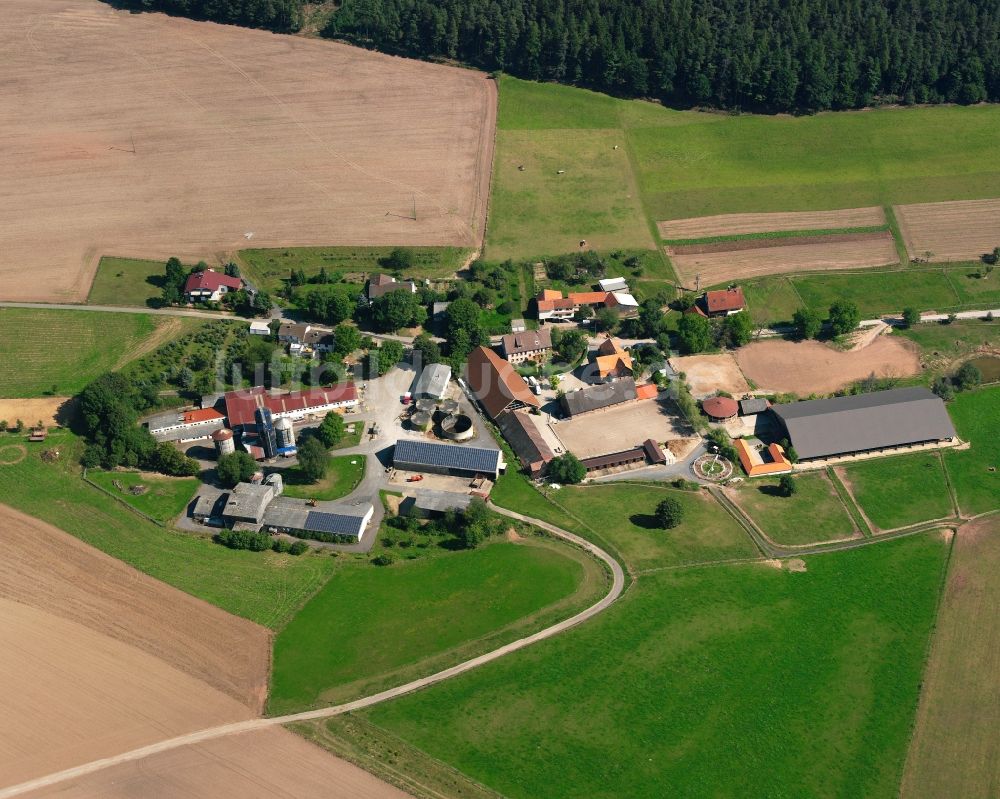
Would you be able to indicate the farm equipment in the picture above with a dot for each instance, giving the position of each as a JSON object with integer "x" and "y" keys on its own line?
{"x": 414, "y": 478}
{"x": 311, "y": 503}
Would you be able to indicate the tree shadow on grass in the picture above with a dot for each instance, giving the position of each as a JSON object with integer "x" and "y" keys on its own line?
{"x": 647, "y": 521}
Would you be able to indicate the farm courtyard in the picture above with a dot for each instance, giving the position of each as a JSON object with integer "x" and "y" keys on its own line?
{"x": 192, "y": 139}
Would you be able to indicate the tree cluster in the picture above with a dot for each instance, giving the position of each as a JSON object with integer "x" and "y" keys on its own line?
{"x": 283, "y": 16}
{"x": 259, "y": 542}
{"x": 695, "y": 333}
{"x": 566, "y": 469}
{"x": 968, "y": 376}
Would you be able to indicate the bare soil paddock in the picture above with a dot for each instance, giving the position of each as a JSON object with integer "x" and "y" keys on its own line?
{"x": 50, "y": 410}
{"x": 256, "y": 765}
{"x": 950, "y": 231}
{"x": 142, "y": 135}
{"x": 849, "y": 251}
{"x": 809, "y": 367}
{"x": 619, "y": 428}
{"x": 701, "y": 227}
{"x": 709, "y": 374}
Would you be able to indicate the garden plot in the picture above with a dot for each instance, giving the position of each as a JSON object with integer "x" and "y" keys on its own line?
{"x": 950, "y": 231}
{"x": 192, "y": 139}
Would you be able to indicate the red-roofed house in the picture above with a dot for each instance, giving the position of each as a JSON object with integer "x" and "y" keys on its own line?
{"x": 209, "y": 286}
{"x": 723, "y": 302}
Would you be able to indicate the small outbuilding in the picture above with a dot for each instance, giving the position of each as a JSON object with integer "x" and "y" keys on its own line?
{"x": 720, "y": 409}
{"x": 433, "y": 381}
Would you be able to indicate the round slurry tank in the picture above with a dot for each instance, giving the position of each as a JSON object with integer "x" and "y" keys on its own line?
{"x": 457, "y": 427}
{"x": 426, "y": 405}
{"x": 448, "y": 407}
{"x": 284, "y": 433}
{"x": 421, "y": 420}
{"x": 224, "y": 443}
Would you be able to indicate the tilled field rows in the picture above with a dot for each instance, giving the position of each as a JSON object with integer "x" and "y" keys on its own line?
{"x": 950, "y": 231}
{"x": 700, "y": 227}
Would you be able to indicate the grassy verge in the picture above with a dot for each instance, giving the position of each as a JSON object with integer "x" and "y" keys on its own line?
{"x": 813, "y": 514}
{"x": 901, "y": 490}
{"x": 127, "y": 281}
{"x": 262, "y": 586}
{"x": 342, "y": 477}
{"x": 436, "y": 611}
{"x": 704, "y": 678}
{"x": 778, "y": 234}
{"x": 59, "y": 352}
{"x": 165, "y": 498}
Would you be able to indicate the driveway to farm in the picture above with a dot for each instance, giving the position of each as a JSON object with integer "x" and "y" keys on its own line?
{"x": 224, "y": 730}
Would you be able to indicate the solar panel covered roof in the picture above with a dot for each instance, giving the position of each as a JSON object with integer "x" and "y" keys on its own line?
{"x": 449, "y": 456}
{"x": 337, "y": 523}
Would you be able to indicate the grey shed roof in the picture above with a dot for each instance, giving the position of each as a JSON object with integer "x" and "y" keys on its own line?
{"x": 449, "y": 456}
{"x": 433, "y": 380}
{"x": 748, "y": 407}
{"x": 248, "y": 501}
{"x": 600, "y": 396}
{"x": 830, "y": 427}
{"x": 440, "y": 501}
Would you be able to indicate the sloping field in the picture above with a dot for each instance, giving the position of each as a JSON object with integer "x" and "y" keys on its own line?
{"x": 53, "y": 572}
{"x": 953, "y": 231}
{"x": 182, "y": 138}
{"x": 847, "y": 251}
{"x": 700, "y": 227}
{"x": 955, "y": 749}
{"x": 72, "y": 695}
{"x": 809, "y": 367}
{"x": 258, "y": 765}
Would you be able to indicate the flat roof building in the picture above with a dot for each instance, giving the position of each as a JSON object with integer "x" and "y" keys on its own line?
{"x": 454, "y": 459}
{"x": 881, "y": 420}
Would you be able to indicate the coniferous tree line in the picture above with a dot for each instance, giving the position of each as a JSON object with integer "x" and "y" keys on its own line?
{"x": 771, "y": 55}
{"x": 276, "y": 15}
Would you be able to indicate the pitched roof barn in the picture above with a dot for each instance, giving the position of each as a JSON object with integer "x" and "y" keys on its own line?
{"x": 496, "y": 384}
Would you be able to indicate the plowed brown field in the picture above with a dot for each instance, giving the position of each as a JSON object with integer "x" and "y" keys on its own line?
{"x": 834, "y": 252}
{"x": 700, "y": 227}
{"x": 951, "y": 231}
{"x": 149, "y": 136}
{"x": 255, "y": 765}
{"x": 808, "y": 367}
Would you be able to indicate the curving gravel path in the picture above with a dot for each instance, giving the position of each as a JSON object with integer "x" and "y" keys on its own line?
{"x": 617, "y": 587}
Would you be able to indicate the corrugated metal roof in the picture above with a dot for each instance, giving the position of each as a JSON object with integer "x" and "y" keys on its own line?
{"x": 894, "y": 418}
{"x": 433, "y": 380}
{"x": 604, "y": 395}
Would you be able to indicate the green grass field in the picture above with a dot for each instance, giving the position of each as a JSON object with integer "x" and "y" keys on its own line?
{"x": 59, "y": 352}
{"x": 343, "y": 476}
{"x": 262, "y": 586}
{"x": 814, "y": 513}
{"x": 269, "y": 268}
{"x": 942, "y": 346}
{"x": 165, "y": 499}
{"x": 900, "y": 490}
{"x": 126, "y": 281}
{"x": 955, "y": 749}
{"x": 702, "y": 679}
{"x": 976, "y": 415}
{"x": 370, "y": 627}
{"x": 622, "y": 515}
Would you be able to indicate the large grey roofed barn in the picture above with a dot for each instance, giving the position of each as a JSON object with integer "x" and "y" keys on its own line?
{"x": 593, "y": 398}
{"x": 433, "y": 380}
{"x": 448, "y": 456}
{"x": 861, "y": 422}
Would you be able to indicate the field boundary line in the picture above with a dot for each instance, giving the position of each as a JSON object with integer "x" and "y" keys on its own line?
{"x": 951, "y": 487}
{"x": 897, "y": 234}
{"x": 847, "y": 500}
{"x": 134, "y": 510}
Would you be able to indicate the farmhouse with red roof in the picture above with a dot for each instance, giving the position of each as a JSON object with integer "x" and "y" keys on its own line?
{"x": 209, "y": 286}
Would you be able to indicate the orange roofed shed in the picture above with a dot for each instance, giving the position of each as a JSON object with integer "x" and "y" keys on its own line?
{"x": 755, "y": 465}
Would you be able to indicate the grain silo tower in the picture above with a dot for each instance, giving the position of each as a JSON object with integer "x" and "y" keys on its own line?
{"x": 224, "y": 443}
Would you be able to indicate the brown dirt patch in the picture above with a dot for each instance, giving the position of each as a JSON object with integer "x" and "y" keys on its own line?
{"x": 265, "y": 763}
{"x": 53, "y": 572}
{"x": 760, "y": 244}
{"x": 796, "y": 565}
{"x": 50, "y": 410}
{"x": 299, "y": 141}
{"x": 808, "y": 367}
{"x": 787, "y": 255}
{"x": 701, "y": 227}
{"x": 619, "y": 428}
{"x": 709, "y": 374}
{"x": 951, "y": 231}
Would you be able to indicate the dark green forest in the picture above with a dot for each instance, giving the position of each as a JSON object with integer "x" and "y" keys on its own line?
{"x": 760, "y": 55}
{"x": 283, "y": 16}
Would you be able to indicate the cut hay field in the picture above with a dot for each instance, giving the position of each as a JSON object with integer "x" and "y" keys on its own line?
{"x": 121, "y": 660}
{"x": 59, "y": 352}
{"x": 901, "y": 490}
{"x": 328, "y": 654}
{"x": 811, "y": 367}
{"x": 955, "y": 749}
{"x": 193, "y": 139}
{"x": 950, "y": 231}
{"x": 264, "y": 587}
{"x": 621, "y": 515}
{"x": 702, "y": 679}
{"x": 813, "y": 514}
{"x": 750, "y": 224}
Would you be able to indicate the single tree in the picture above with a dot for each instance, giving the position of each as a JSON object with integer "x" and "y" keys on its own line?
{"x": 694, "y": 334}
{"x": 737, "y": 329}
{"x": 346, "y": 338}
{"x": 606, "y": 320}
{"x": 566, "y": 469}
{"x": 389, "y": 354}
{"x": 844, "y": 317}
{"x": 786, "y": 485}
{"x": 943, "y": 388}
{"x": 428, "y": 350}
{"x": 911, "y": 317}
{"x": 807, "y": 323}
{"x": 331, "y": 429}
{"x": 669, "y": 513}
{"x": 313, "y": 459}
{"x": 236, "y": 467}
{"x": 967, "y": 376}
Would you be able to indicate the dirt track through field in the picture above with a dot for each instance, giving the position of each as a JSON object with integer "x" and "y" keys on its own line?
{"x": 701, "y": 227}
{"x": 850, "y": 253}
{"x": 951, "y": 231}
{"x": 809, "y": 367}
{"x": 143, "y": 135}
